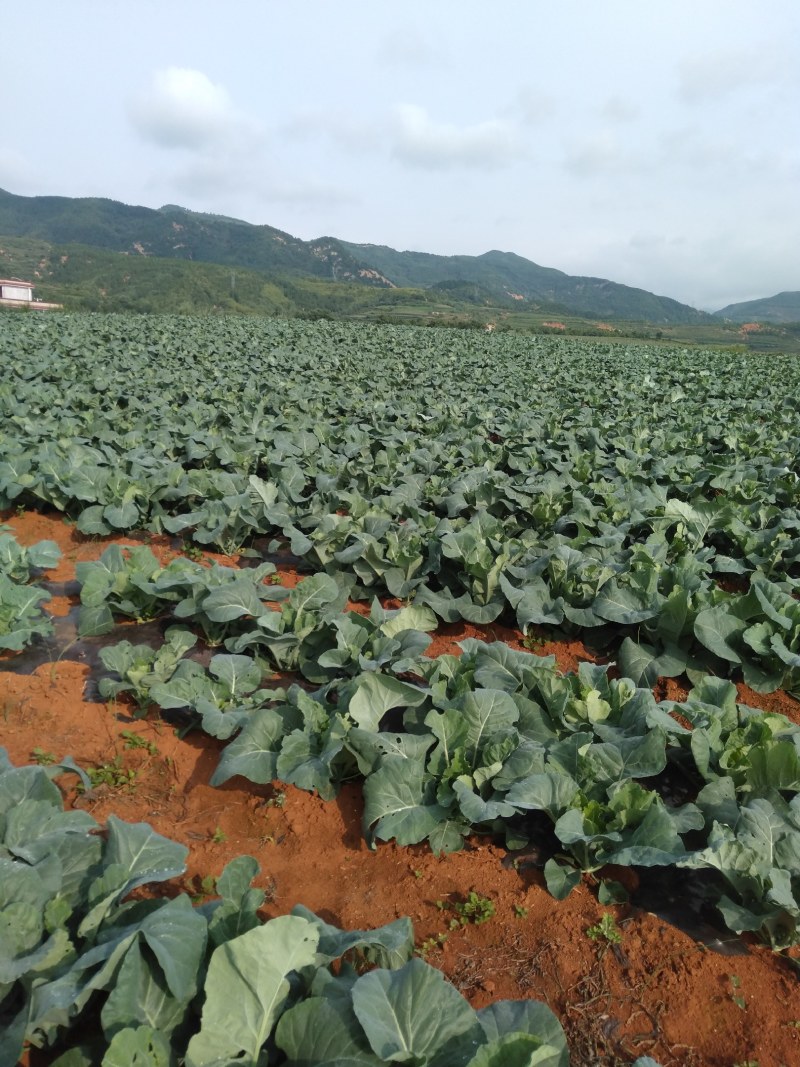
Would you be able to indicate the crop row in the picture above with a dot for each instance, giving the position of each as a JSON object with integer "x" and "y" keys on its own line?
{"x": 592, "y": 768}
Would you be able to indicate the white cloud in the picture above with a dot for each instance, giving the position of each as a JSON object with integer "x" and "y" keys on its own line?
{"x": 619, "y": 109}
{"x": 422, "y": 142}
{"x": 183, "y": 108}
{"x": 596, "y": 153}
{"x": 306, "y": 191}
{"x": 534, "y": 105}
{"x": 714, "y": 75}
{"x": 347, "y": 131}
{"x": 706, "y": 268}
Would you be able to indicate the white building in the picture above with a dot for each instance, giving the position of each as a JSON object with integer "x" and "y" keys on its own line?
{"x": 14, "y": 293}
{"x": 15, "y": 289}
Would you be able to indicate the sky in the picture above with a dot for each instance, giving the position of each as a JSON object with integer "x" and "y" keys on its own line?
{"x": 652, "y": 142}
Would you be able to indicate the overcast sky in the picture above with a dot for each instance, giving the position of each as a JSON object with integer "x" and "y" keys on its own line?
{"x": 653, "y": 142}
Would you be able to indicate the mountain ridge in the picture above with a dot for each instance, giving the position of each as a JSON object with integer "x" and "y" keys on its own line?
{"x": 778, "y": 309}
{"x": 174, "y": 232}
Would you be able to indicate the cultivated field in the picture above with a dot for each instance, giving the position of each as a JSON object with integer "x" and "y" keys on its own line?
{"x": 498, "y": 634}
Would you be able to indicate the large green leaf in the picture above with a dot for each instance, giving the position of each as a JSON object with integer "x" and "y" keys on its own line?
{"x": 525, "y": 1017}
{"x": 247, "y": 990}
{"x": 233, "y": 601}
{"x": 375, "y": 694}
{"x": 391, "y": 945}
{"x": 720, "y": 632}
{"x": 140, "y": 997}
{"x": 316, "y": 1031}
{"x": 414, "y": 1016}
{"x": 140, "y": 1046}
{"x": 254, "y": 753}
{"x": 516, "y": 1050}
{"x": 399, "y": 803}
{"x": 143, "y": 854}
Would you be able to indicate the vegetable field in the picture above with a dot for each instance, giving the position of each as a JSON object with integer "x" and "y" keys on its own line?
{"x": 501, "y": 633}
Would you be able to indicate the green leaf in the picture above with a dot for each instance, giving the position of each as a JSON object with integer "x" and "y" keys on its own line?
{"x": 654, "y": 842}
{"x": 140, "y": 997}
{"x": 534, "y": 603}
{"x": 525, "y": 1017}
{"x": 254, "y": 752}
{"x": 237, "y": 912}
{"x": 413, "y": 1015}
{"x": 317, "y": 1031}
{"x": 624, "y": 605}
{"x": 239, "y": 674}
{"x": 233, "y": 601}
{"x": 549, "y": 792}
{"x": 720, "y": 632}
{"x": 485, "y": 712}
{"x": 448, "y": 836}
{"x": 477, "y": 810}
{"x": 176, "y": 935}
{"x": 141, "y": 1046}
{"x": 376, "y": 694}
{"x": 314, "y": 593}
{"x": 516, "y": 1050}
{"x": 560, "y": 879}
{"x": 644, "y": 665}
{"x": 94, "y": 620}
{"x": 398, "y": 803}
{"x": 390, "y": 946}
{"x": 247, "y": 990}
{"x": 307, "y": 757}
{"x": 144, "y": 855}
{"x": 409, "y": 618}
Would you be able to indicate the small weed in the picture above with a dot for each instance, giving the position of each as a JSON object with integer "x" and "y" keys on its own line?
{"x": 416, "y": 872}
{"x": 534, "y": 641}
{"x": 738, "y": 1000}
{"x": 475, "y": 909}
{"x": 133, "y": 740}
{"x": 276, "y": 801}
{"x": 207, "y": 887}
{"x": 44, "y": 759}
{"x": 191, "y": 551}
{"x": 431, "y": 944}
{"x": 606, "y": 930}
{"x": 19, "y": 511}
{"x": 112, "y": 774}
{"x": 219, "y": 836}
{"x": 520, "y": 912}
{"x": 273, "y": 579}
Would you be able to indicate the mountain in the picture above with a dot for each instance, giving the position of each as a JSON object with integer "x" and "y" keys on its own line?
{"x": 778, "y": 309}
{"x": 521, "y": 279}
{"x": 172, "y": 232}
